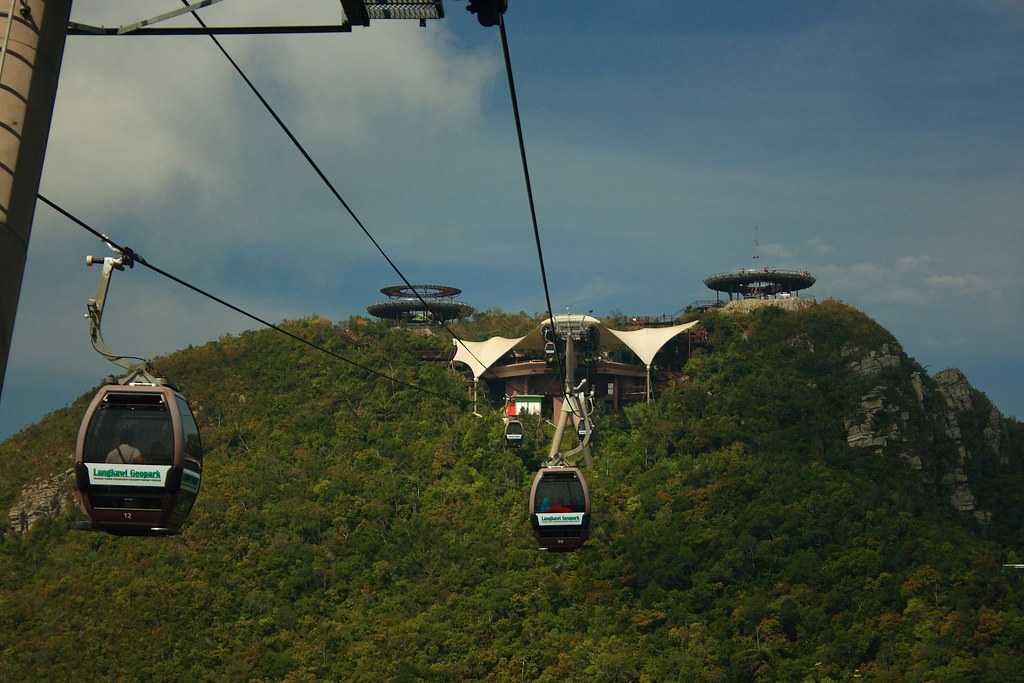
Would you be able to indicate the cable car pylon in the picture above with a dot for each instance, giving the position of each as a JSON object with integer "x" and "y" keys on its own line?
{"x": 138, "y": 457}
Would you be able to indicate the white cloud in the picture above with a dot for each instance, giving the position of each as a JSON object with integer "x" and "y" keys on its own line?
{"x": 819, "y": 246}
{"x": 163, "y": 132}
{"x": 776, "y": 252}
{"x": 643, "y": 189}
{"x": 396, "y": 82}
{"x": 966, "y": 284}
{"x": 909, "y": 263}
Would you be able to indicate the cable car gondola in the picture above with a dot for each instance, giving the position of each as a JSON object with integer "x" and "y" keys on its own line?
{"x": 513, "y": 433}
{"x": 559, "y": 498}
{"x": 138, "y": 457}
{"x": 550, "y": 350}
{"x": 513, "y": 426}
{"x": 560, "y": 508}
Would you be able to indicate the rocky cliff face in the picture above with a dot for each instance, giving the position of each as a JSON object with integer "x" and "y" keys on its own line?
{"x": 742, "y": 306}
{"x": 960, "y": 400}
{"x": 884, "y": 421}
{"x": 881, "y": 418}
{"x": 955, "y": 392}
{"x": 877, "y": 423}
{"x": 50, "y": 497}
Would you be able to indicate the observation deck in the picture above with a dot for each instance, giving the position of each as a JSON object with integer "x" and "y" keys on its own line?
{"x": 761, "y": 283}
{"x": 403, "y": 306}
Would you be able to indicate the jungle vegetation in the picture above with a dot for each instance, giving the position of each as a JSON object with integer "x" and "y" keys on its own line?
{"x": 350, "y": 529}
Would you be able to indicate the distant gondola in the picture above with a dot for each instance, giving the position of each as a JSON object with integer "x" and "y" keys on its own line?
{"x": 560, "y": 508}
{"x": 138, "y": 459}
{"x": 513, "y": 433}
{"x": 550, "y": 350}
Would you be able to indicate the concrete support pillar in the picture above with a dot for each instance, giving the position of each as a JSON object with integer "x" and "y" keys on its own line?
{"x": 32, "y": 34}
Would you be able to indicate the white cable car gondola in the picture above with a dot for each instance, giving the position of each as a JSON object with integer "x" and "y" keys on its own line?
{"x": 138, "y": 458}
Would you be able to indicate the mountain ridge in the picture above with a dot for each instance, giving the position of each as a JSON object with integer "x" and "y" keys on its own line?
{"x": 349, "y": 530}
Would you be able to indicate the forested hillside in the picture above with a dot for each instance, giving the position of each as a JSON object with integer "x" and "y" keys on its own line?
{"x": 793, "y": 506}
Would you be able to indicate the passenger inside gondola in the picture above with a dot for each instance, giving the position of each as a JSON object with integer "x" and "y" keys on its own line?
{"x": 124, "y": 453}
{"x": 136, "y": 433}
{"x": 560, "y": 495}
{"x": 547, "y": 506}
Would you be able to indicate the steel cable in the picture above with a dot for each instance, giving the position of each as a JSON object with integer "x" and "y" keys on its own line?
{"x": 529, "y": 190}
{"x": 138, "y": 258}
{"x": 330, "y": 186}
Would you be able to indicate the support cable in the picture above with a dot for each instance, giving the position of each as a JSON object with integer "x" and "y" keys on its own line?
{"x": 138, "y": 258}
{"x": 330, "y": 186}
{"x": 529, "y": 187}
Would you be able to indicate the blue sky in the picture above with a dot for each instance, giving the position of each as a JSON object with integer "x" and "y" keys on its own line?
{"x": 877, "y": 144}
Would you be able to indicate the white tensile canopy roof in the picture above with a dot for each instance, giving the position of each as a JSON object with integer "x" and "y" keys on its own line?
{"x": 481, "y": 355}
{"x": 645, "y": 343}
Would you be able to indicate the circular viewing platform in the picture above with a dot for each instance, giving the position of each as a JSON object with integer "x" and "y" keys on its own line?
{"x": 760, "y": 282}
{"x": 402, "y": 304}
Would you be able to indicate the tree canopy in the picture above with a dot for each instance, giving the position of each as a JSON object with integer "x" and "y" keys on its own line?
{"x": 353, "y": 529}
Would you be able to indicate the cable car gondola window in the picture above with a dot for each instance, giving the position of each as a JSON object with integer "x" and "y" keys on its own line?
{"x": 132, "y": 428}
{"x": 560, "y": 493}
{"x": 193, "y": 445}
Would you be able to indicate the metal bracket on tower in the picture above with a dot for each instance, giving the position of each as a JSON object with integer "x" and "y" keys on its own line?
{"x": 128, "y": 28}
{"x": 360, "y": 12}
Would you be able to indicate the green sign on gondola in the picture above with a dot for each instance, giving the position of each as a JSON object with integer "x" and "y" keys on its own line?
{"x": 555, "y": 518}
{"x": 128, "y": 475}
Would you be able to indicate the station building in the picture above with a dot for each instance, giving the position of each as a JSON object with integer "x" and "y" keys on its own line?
{"x": 621, "y": 366}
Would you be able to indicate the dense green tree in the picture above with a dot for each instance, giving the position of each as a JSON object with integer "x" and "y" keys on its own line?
{"x": 351, "y": 529}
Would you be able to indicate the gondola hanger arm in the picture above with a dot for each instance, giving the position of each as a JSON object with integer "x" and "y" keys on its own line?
{"x": 583, "y": 408}
{"x": 94, "y": 307}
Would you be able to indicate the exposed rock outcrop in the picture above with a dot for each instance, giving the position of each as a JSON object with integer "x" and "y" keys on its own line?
{"x": 956, "y": 392}
{"x": 888, "y": 356}
{"x": 42, "y": 498}
{"x": 914, "y": 461}
{"x": 747, "y": 305}
{"x": 864, "y": 431}
{"x": 880, "y": 423}
{"x": 918, "y": 386}
{"x": 994, "y": 433}
{"x": 803, "y": 342}
{"x": 955, "y": 389}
